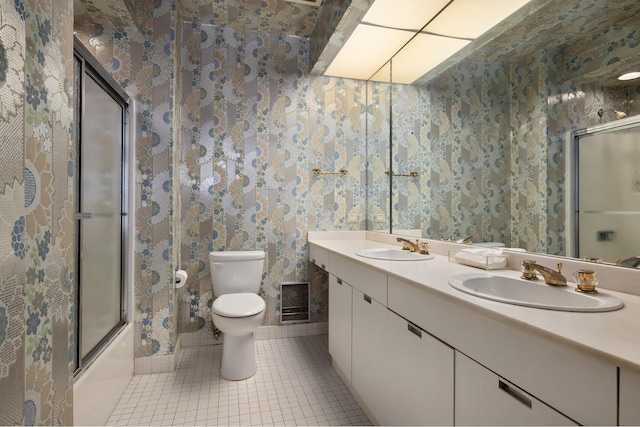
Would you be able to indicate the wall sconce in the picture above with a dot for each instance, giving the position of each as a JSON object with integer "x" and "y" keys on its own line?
{"x": 619, "y": 114}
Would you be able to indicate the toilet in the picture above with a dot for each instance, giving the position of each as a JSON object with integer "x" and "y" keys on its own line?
{"x": 238, "y": 310}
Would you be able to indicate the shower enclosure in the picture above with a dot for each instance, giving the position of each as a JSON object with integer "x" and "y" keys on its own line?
{"x": 101, "y": 109}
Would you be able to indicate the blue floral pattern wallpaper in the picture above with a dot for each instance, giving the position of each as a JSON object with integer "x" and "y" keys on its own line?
{"x": 36, "y": 210}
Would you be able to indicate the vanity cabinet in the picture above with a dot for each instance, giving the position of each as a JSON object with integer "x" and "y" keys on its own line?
{"x": 319, "y": 257}
{"x": 340, "y": 300}
{"x": 367, "y": 280}
{"x": 484, "y": 398}
{"x": 419, "y": 375}
{"x": 563, "y": 376}
{"x": 629, "y": 410}
{"x": 368, "y": 360}
{"x": 469, "y": 366}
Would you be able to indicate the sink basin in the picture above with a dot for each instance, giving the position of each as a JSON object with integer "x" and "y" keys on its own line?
{"x": 532, "y": 294}
{"x": 392, "y": 254}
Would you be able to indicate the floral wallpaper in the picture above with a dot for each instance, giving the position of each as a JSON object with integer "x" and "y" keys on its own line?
{"x": 251, "y": 135}
{"x": 36, "y": 208}
{"x": 250, "y": 126}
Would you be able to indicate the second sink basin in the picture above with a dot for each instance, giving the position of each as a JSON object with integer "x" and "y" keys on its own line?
{"x": 532, "y": 294}
{"x": 392, "y": 254}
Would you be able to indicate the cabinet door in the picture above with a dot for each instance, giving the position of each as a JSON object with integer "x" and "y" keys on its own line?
{"x": 483, "y": 398}
{"x": 368, "y": 361}
{"x": 629, "y": 397}
{"x": 419, "y": 376}
{"x": 340, "y": 324}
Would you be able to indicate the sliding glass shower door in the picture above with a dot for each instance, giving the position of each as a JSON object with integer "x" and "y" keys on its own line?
{"x": 100, "y": 211}
{"x": 608, "y": 192}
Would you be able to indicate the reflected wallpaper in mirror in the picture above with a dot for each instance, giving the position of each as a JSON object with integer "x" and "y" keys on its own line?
{"x": 487, "y": 137}
{"x": 378, "y": 131}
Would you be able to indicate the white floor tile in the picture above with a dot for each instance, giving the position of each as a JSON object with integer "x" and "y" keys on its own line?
{"x": 294, "y": 385}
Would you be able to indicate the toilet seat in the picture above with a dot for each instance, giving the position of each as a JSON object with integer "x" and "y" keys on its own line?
{"x": 238, "y": 305}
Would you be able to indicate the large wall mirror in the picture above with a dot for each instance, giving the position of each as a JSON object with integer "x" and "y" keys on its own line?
{"x": 478, "y": 149}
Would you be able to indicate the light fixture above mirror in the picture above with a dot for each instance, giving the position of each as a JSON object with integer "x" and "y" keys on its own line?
{"x": 630, "y": 76}
{"x": 390, "y": 29}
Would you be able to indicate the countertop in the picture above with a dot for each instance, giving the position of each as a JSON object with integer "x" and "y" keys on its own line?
{"x": 613, "y": 335}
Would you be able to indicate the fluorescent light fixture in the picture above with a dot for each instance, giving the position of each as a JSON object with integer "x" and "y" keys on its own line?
{"x": 423, "y": 53}
{"x": 630, "y": 76}
{"x": 470, "y": 19}
{"x": 366, "y": 50}
{"x": 384, "y": 74}
{"x": 389, "y": 24}
{"x": 404, "y": 14}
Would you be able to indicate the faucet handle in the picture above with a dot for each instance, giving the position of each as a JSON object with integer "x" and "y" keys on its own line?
{"x": 424, "y": 248}
{"x": 559, "y": 267}
{"x": 528, "y": 272}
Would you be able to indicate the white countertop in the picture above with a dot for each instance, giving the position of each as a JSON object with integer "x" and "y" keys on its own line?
{"x": 613, "y": 335}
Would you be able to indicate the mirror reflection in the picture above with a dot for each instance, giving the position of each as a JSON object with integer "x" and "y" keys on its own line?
{"x": 604, "y": 222}
{"x": 486, "y": 136}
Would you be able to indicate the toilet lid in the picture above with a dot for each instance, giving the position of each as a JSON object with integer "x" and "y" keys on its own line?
{"x": 238, "y": 305}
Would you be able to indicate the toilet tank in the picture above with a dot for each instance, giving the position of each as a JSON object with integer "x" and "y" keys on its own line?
{"x": 236, "y": 271}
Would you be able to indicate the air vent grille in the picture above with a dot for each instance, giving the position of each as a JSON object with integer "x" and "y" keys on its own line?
{"x": 294, "y": 297}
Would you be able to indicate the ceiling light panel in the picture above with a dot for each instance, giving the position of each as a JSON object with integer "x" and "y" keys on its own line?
{"x": 471, "y": 18}
{"x": 421, "y": 54}
{"x": 383, "y": 75}
{"x": 366, "y": 50}
{"x": 405, "y": 14}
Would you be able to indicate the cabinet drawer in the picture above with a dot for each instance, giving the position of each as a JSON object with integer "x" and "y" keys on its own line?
{"x": 483, "y": 398}
{"x": 366, "y": 279}
{"x": 563, "y": 376}
{"x": 319, "y": 256}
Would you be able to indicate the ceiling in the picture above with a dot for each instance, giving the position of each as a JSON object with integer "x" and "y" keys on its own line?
{"x": 274, "y": 16}
{"x": 553, "y": 24}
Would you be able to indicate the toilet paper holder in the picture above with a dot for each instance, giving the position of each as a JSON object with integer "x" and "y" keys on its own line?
{"x": 180, "y": 278}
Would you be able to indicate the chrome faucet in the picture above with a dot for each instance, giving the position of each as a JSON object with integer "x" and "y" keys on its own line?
{"x": 634, "y": 261}
{"x": 551, "y": 277}
{"x": 422, "y": 248}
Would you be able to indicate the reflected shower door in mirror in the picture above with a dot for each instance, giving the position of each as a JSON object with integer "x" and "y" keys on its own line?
{"x": 607, "y": 192}
{"x": 378, "y": 150}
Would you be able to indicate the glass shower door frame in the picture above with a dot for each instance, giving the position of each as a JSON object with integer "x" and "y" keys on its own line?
{"x": 88, "y": 68}
{"x": 572, "y": 187}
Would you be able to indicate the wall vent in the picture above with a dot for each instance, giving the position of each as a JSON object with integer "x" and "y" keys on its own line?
{"x": 294, "y": 298}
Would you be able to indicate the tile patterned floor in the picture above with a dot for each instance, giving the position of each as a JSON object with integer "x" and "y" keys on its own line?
{"x": 294, "y": 385}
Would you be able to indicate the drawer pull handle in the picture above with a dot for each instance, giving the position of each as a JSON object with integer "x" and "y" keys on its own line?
{"x": 415, "y": 331}
{"x": 339, "y": 281}
{"x": 367, "y": 298}
{"x": 514, "y": 393}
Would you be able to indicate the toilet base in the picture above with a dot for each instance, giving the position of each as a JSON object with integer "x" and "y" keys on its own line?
{"x": 238, "y": 357}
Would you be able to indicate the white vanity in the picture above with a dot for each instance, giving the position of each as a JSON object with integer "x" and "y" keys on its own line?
{"x": 416, "y": 351}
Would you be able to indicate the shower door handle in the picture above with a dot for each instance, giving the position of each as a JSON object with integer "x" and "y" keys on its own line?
{"x": 88, "y": 215}
{"x": 81, "y": 215}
